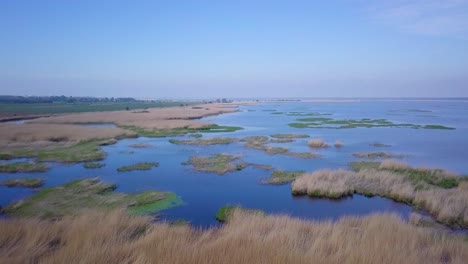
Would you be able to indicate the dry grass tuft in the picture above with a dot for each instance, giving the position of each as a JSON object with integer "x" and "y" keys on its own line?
{"x": 153, "y": 118}
{"x": 12, "y": 135}
{"x": 317, "y": 143}
{"x": 115, "y": 237}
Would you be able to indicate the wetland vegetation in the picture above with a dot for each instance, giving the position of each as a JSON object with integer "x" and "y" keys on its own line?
{"x": 17, "y": 167}
{"x": 23, "y": 182}
{"x": 331, "y": 123}
{"x": 76, "y": 196}
{"x": 442, "y": 194}
{"x": 138, "y": 166}
{"x": 283, "y": 177}
{"x": 124, "y": 238}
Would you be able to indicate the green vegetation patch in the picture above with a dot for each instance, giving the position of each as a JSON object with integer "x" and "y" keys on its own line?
{"x": 78, "y": 107}
{"x": 138, "y": 166}
{"x": 75, "y": 196}
{"x": 379, "y": 145}
{"x": 140, "y": 145}
{"x": 80, "y": 152}
{"x": 180, "y": 131}
{"x": 331, "y": 123}
{"x": 224, "y": 213}
{"x": 24, "y": 182}
{"x": 219, "y": 163}
{"x": 93, "y": 165}
{"x": 260, "y": 143}
{"x": 204, "y": 142}
{"x": 377, "y": 155}
{"x": 289, "y": 136}
{"x": 23, "y": 167}
{"x": 283, "y": 177}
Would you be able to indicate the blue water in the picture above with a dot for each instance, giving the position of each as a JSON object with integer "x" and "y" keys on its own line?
{"x": 204, "y": 193}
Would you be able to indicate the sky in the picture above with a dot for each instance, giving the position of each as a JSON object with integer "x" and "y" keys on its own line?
{"x": 235, "y": 49}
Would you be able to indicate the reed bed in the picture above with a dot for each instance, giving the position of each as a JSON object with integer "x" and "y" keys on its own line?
{"x": 116, "y": 237}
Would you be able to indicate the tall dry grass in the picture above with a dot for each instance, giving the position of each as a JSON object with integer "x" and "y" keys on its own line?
{"x": 115, "y": 237}
{"x": 160, "y": 118}
{"x": 25, "y": 134}
{"x": 449, "y": 206}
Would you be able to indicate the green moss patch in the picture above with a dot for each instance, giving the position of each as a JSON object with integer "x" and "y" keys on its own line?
{"x": 140, "y": 145}
{"x": 80, "y": 152}
{"x": 23, "y": 182}
{"x": 289, "y": 136}
{"x": 260, "y": 143}
{"x": 219, "y": 163}
{"x": 180, "y": 131}
{"x": 283, "y": 177}
{"x": 377, "y": 155}
{"x": 93, "y": 165}
{"x": 331, "y": 123}
{"x": 204, "y": 142}
{"x": 23, "y": 167}
{"x": 138, "y": 166}
{"x": 379, "y": 145}
{"x": 75, "y": 196}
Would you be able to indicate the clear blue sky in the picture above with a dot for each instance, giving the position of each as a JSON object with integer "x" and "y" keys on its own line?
{"x": 199, "y": 49}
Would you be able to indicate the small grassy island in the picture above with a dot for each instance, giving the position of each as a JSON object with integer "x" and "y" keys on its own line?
{"x": 283, "y": 177}
{"x": 221, "y": 164}
{"x": 139, "y": 166}
{"x": 331, "y": 123}
{"x": 23, "y": 182}
{"x": 93, "y": 165}
{"x": 23, "y": 167}
{"x": 78, "y": 195}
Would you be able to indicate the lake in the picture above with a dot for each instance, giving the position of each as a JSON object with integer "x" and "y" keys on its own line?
{"x": 204, "y": 193}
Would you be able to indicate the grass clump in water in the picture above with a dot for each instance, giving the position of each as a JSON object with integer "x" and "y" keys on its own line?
{"x": 204, "y": 142}
{"x": 139, "y": 166}
{"x": 23, "y": 182}
{"x": 81, "y": 152}
{"x": 317, "y": 143}
{"x": 23, "y": 167}
{"x": 219, "y": 163}
{"x": 171, "y": 132}
{"x": 283, "y": 177}
{"x": 379, "y": 145}
{"x": 377, "y": 155}
{"x": 338, "y": 144}
{"x": 141, "y": 145}
{"x": 78, "y": 195}
{"x": 289, "y": 136}
{"x": 330, "y": 123}
{"x": 260, "y": 143}
{"x": 93, "y": 165}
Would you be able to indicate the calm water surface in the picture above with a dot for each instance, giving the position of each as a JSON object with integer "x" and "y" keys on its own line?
{"x": 204, "y": 193}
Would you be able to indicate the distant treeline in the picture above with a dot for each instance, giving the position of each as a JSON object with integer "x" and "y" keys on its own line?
{"x": 60, "y": 99}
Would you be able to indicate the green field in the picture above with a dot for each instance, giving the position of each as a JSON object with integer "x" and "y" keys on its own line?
{"x": 56, "y": 108}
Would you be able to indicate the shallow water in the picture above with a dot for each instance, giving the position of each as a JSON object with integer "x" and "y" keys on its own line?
{"x": 204, "y": 193}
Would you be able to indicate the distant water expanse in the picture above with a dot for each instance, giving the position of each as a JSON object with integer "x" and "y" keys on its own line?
{"x": 416, "y": 134}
